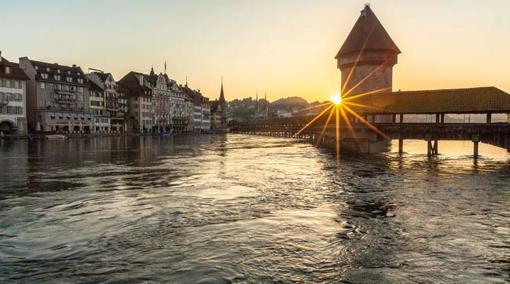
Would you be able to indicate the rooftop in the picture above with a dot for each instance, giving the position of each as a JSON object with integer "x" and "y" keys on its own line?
{"x": 367, "y": 34}
{"x": 465, "y": 100}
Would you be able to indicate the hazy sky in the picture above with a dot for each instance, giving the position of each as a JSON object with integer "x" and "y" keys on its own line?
{"x": 286, "y": 47}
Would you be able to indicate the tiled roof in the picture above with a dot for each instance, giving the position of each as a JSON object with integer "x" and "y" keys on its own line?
{"x": 53, "y": 69}
{"x": 467, "y": 100}
{"x": 130, "y": 85}
{"x": 367, "y": 34}
{"x": 15, "y": 73}
{"x": 102, "y": 76}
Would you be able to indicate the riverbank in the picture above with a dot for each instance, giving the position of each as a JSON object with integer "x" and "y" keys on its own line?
{"x": 81, "y": 135}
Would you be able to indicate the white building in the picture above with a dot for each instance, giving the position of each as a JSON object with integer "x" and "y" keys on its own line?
{"x": 97, "y": 102}
{"x": 13, "y": 116}
{"x": 201, "y": 111}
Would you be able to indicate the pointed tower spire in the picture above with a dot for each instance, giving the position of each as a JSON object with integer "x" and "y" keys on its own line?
{"x": 222, "y": 94}
{"x": 257, "y": 99}
{"x": 186, "y": 81}
{"x": 165, "y": 67}
{"x": 367, "y": 56}
{"x": 152, "y": 71}
{"x": 368, "y": 34}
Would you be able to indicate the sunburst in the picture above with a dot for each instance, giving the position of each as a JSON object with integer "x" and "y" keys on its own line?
{"x": 341, "y": 106}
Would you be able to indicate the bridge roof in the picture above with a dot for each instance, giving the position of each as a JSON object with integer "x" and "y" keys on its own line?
{"x": 468, "y": 100}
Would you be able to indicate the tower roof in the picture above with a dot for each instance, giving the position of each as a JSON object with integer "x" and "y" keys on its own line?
{"x": 222, "y": 94}
{"x": 367, "y": 34}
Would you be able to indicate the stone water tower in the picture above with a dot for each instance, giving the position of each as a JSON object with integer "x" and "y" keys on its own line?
{"x": 367, "y": 57}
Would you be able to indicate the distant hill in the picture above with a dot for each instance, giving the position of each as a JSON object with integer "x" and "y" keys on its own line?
{"x": 290, "y": 103}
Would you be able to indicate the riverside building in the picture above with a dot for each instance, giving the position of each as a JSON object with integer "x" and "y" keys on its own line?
{"x": 57, "y": 97}
{"x": 201, "y": 116}
{"x": 12, "y": 98}
{"x": 139, "y": 94}
{"x": 115, "y": 102}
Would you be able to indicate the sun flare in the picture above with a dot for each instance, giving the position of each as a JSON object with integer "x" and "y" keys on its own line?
{"x": 336, "y": 99}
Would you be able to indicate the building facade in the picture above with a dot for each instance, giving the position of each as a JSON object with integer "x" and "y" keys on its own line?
{"x": 138, "y": 91}
{"x": 97, "y": 105}
{"x": 201, "y": 113}
{"x": 57, "y": 97}
{"x": 13, "y": 112}
{"x": 181, "y": 108}
{"x": 114, "y": 102}
{"x": 161, "y": 102}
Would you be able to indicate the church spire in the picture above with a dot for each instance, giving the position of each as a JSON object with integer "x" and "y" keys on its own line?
{"x": 152, "y": 71}
{"x": 222, "y": 94}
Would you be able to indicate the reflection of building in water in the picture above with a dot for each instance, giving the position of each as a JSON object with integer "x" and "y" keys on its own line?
{"x": 14, "y": 157}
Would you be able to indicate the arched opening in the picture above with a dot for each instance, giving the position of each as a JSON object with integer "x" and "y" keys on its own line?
{"x": 6, "y": 127}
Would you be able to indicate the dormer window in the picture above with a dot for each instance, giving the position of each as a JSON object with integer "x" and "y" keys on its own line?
{"x": 36, "y": 67}
{"x": 69, "y": 79}
{"x": 7, "y": 70}
{"x": 57, "y": 77}
{"x": 47, "y": 69}
{"x": 80, "y": 80}
{"x": 58, "y": 71}
{"x": 69, "y": 72}
{"x": 44, "y": 75}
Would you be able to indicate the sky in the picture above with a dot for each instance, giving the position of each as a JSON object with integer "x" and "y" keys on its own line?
{"x": 282, "y": 47}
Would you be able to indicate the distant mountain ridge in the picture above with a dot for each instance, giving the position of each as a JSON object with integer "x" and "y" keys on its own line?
{"x": 290, "y": 103}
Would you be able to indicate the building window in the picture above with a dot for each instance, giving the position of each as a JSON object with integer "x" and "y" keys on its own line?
{"x": 7, "y": 70}
{"x": 80, "y": 81}
{"x": 43, "y": 86}
{"x": 44, "y": 75}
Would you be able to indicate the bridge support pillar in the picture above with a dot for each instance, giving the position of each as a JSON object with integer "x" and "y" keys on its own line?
{"x": 400, "y": 146}
{"x": 432, "y": 146}
{"x": 476, "y": 142}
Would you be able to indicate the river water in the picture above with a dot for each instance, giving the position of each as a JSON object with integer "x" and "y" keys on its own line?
{"x": 249, "y": 209}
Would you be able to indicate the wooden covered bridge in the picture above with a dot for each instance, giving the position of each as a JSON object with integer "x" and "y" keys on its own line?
{"x": 388, "y": 113}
